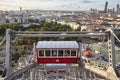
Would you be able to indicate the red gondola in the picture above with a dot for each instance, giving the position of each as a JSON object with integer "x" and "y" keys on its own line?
{"x": 56, "y": 52}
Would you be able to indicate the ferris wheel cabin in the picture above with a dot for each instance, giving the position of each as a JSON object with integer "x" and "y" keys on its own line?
{"x": 56, "y": 52}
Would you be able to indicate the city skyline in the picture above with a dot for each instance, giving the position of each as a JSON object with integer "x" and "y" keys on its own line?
{"x": 81, "y": 5}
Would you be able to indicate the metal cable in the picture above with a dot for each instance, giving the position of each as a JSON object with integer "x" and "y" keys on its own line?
{"x": 115, "y": 36}
{"x": 101, "y": 44}
{"x": 2, "y": 40}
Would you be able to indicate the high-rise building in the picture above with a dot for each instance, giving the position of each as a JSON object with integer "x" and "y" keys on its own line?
{"x": 118, "y": 8}
{"x": 20, "y": 9}
{"x": 106, "y": 5}
{"x": 113, "y": 10}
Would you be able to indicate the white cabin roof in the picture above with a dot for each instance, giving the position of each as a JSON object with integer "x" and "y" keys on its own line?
{"x": 57, "y": 44}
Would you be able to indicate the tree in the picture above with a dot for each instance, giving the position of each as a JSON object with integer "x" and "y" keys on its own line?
{"x": 31, "y": 20}
{"x": 78, "y": 29}
{"x": 16, "y": 57}
{"x": 44, "y": 29}
{"x": 84, "y": 30}
{"x": 36, "y": 20}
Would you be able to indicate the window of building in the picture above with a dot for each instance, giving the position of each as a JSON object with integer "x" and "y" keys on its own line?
{"x": 16, "y": 20}
{"x": 73, "y": 52}
{"x": 67, "y": 53}
{"x": 7, "y": 21}
{"x": 54, "y": 52}
{"x": 41, "y": 53}
{"x": 47, "y": 52}
{"x": 60, "y": 52}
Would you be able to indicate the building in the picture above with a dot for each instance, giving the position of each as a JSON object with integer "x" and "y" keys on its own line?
{"x": 118, "y": 9}
{"x": 2, "y": 20}
{"x": 106, "y": 5}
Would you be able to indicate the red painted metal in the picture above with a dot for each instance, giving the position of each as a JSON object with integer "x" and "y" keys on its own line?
{"x": 56, "y": 60}
{"x": 63, "y": 60}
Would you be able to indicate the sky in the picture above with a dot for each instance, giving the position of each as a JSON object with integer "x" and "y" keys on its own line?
{"x": 81, "y": 5}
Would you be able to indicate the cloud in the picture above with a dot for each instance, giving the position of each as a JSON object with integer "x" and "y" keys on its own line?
{"x": 87, "y": 1}
{"x": 9, "y": 5}
{"x": 47, "y": 0}
{"x": 36, "y": 0}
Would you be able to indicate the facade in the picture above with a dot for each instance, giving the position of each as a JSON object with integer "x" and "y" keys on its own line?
{"x": 118, "y": 9}
{"x": 2, "y": 20}
{"x": 106, "y": 5}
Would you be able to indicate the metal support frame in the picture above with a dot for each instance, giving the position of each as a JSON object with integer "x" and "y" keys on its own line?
{"x": 111, "y": 74}
{"x": 111, "y": 50}
{"x": 111, "y": 45}
{"x": 61, "y": 35}
{"x": 80, "y": 52}
{"x": 8, "y": 45}
{"x": 18, "y": 72}
{"x": 71, "y": 72}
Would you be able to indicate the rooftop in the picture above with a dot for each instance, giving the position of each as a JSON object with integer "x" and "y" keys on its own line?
{"x": 57, "y": 44}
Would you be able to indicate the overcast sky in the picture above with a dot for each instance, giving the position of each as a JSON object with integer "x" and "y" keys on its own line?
{"x": 57, "y": 4}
